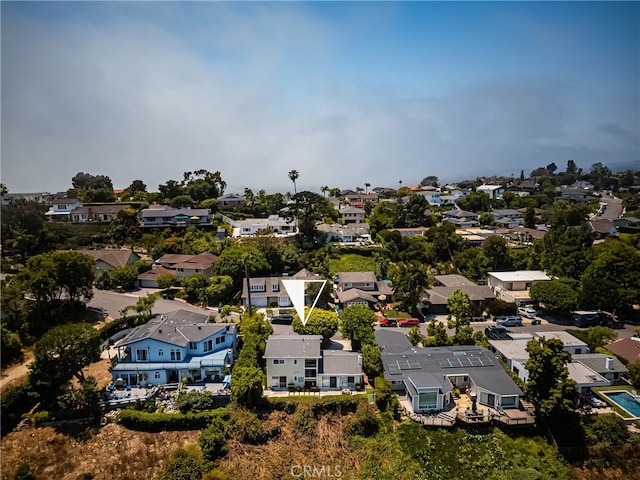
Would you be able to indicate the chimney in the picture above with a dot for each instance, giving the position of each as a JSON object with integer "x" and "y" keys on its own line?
{"x": 609, "y": 363}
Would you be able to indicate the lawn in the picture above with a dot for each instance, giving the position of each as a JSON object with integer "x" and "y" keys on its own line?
{"x": 352, "y": 262}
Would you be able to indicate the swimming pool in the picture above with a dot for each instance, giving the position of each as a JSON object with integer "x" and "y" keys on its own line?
{"x": 625, "y": 401}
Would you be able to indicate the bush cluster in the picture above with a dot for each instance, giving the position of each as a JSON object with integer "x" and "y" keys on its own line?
{"x": 155, "y": 422}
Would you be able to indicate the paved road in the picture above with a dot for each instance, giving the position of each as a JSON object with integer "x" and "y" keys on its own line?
{"x": 613, "y": 209}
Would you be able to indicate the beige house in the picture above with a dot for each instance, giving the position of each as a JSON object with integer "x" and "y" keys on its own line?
{"x": 267, "y": 291}
{"x": 298, "y": 360}
{"x": 360, "y": 288}
{"x": 187, "y": 265}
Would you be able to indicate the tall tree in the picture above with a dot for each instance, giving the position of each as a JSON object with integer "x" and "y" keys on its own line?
{"x": 308, "y": 208}
{"x": 557, "y": 295}
{"x": 366, "y": 187}
{"x": 459, "y": 308}
{"x": 356, "y": 324}
{"x": 409, "y": 279}
{"x": 324, "y": 189}
{"x": 63, "y": 352}
{"x": 549, "y": 388}
{"x": 571, "y": 166}
{"x": 293, "y": 176}
{"x": 320, "y": 322}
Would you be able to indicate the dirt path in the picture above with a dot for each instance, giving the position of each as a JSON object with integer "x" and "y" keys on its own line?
{"x": 15, "y": 373}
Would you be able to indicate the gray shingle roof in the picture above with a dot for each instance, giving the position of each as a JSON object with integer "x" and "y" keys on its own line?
{"x": 338, "y": 362}
{"x": 177, "y": 328}
{"x": 293, "y": 346}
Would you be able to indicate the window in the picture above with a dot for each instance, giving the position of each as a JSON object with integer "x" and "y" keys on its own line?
{"x": 176, "y": 355}
{"x": 220, "y": 340}
{"x": 193, "y": 346}
{"x": 428, "y": 400}
{"x": 160, "y": 352}
{"x": 508, "y": 401}
{"x": 208, "y": 345}
{"x": 258, "y": 288}
{"x": 156, "y": 375}
{"x": 142, "y": 355}
{"x": 278, "y": 361}
{"x": 275, "y": 287}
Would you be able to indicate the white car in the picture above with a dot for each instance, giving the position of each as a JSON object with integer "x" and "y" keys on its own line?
{"x": 527, "y": 312}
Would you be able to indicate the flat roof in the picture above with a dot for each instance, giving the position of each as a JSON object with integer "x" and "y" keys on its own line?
{"x": 566, "y": 338}
{"x": 520, "y": 275}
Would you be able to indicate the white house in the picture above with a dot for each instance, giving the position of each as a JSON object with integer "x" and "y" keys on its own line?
{"x": 513, "y": 287}
{"x": 62, "y": 208}
{"x": 494, "y": 191}
{"x": 352, "y": 215}
{"x": 274, "y": 223}
{"x": 174, "y": 346}
{"x": 298, "y": 360}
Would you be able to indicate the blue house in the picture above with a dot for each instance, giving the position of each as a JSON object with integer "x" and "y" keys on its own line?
{"x": 174, "y": 346}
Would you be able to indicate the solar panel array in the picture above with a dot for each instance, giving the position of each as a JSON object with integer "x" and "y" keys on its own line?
{"x": 465, "y": 362}
{"x": 395, "y": 367}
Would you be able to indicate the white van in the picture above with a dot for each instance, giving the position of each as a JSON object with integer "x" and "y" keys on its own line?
{"x": 527, "y": 312}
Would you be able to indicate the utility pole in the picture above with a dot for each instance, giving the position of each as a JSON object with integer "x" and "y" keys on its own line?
{"x": 246, "y": 276}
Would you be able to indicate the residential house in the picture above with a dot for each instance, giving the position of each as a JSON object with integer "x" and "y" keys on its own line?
{"x": 461, "y": 218}
{"x": 428, "y": 376}
{"x": 96, "y": 213}
{"x": 606, "y": 365}
{"x": 434, "y": 300}
{"x": 61, "y": 209}
{"x": 266, "y": 291}
{"x": 360, "y": 199}
{"x": 411, "y": 231}
{"x": 524, "y": 235}
{"x": 164, "y": 216}
{"x": 431, "y": 196}
{"x": 626, "y": 348}
{"x": 360, "y": 288}
{"x": 229, "y": 201}
{"x": 528, "y": 185}
{"x": 513, "y": 287}
{"x": 627, "y": 224}
{"x": 274, "y": 223}
{"x": 352, "y": 233}
{"x": 507, "y": 217}
{"x": 149, "y": 279}
{"x": 494, "y": 191}
{"x": 601, "y": 227}
{"x": 38, "y": 197}
{"x": 298, "y": 360}
{"x": 350, "y": 215}
{"x": 514, "y": 352}
{"x": 174, "y": 346}
{"x": 106, "y": 260}
{"x": 579, "y": 195}
{"x": 185, "y": 266}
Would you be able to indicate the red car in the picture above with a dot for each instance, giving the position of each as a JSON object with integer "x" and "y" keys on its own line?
{"x": 387, "y": 322}
{"x": 409, "y": 322}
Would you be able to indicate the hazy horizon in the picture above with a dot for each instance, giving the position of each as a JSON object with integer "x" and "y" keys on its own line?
{"x": 344, "y": 93}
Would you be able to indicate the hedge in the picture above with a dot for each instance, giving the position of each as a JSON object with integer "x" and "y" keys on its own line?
{"x": 155, "y": 422}
{"x": 320, "y": 405}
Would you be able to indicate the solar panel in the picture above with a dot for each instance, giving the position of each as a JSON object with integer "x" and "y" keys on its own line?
{"x": 393, "y": 368}
{"x": 414, "y": 364}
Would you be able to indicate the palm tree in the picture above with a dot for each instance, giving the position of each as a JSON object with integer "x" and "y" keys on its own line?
{"x": 293, "y": 176}
{"x": 324, "y": 190}
{"x": 366, "y": 186}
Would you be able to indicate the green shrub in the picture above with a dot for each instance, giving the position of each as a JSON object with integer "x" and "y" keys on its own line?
{"x": 184, "y": 464}
{"x": 305, "y": 419}
{"x": 364, "y": 422}
{"x": 213, "y": 440}
{"x": 194, "y": 402}
{"x": 155, "y": 422}
{"x": 247, "y": 427}
{"x": 24, "y": 472}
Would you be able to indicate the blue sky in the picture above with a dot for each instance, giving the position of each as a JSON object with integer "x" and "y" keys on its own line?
{"x": 345, "y": 93}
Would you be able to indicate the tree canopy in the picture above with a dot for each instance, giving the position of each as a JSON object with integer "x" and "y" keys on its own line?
{"x": 321, "y": 322}
{"x": 549, "y": 388}
{"x": 356, "y": 324}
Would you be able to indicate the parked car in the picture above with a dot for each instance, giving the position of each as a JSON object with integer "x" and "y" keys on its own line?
{"x": 388, "y": 322}
{"x": 527, "y": 312}
{"x": 409, "y": 322}
{"x": 282, "y": 319}
{"x": 497, "y": 332}
{"x": 509, "y": 321}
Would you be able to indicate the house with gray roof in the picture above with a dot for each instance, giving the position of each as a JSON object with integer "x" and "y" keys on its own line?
{"x": 360, "y": 288}
{"x": 298, "y": 360}
{"x": 429, "y": 375}
{"x": 352, "y": 215}
{"x": 97, "y": 213}
{"x": 165, "y": 216}
{"x": 434, "y": 300}
{"x": 351, "y": 233}
{"x": 61, "y": 209}
{"x": 173, "y": 346}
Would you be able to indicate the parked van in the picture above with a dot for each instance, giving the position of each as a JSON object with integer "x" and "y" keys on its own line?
{"x": 527, "y": 312}
{"x": 509, "y": 321}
